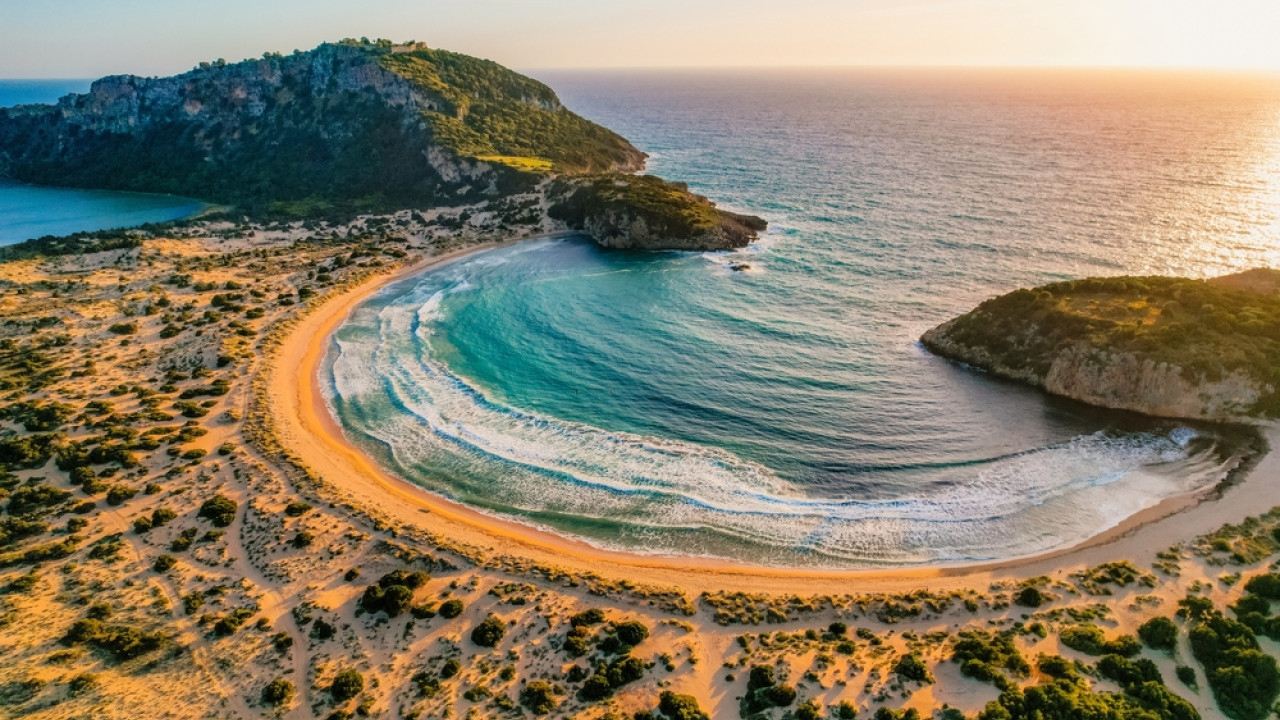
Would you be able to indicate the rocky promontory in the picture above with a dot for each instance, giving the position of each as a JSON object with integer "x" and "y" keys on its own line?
{"x": 644, "y": 212}
{"x": 1163, "y": 346}
{"x": 358, "y": 127}
{"x": 350, "y": 126}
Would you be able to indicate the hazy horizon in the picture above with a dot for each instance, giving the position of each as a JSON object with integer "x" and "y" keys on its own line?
{"x": 80, "y": 39}
{"x": 1260, "y": 73}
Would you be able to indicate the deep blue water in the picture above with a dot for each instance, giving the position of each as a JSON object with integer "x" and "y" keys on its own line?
{"x": 787, "y": 415}
{"x": 30, "y": 212}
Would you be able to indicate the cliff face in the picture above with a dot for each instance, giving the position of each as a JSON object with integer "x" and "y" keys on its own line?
{"x": 1123, "y": 381}
{"x": 354, "y": 124}
{"x": 1168, "y": 347}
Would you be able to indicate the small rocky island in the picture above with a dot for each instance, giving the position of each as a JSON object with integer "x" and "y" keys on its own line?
{"x": 1163, "y": 346}
{"x": 356, "y": 128}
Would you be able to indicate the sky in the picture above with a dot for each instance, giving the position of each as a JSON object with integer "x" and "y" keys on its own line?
{"x": 91, "y": 38}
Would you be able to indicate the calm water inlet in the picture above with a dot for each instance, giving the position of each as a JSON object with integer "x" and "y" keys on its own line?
{"x": 28, "y": 211}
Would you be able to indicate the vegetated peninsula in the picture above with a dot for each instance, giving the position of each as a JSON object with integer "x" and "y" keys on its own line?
{"x": 1163, "y": 346}
{"x": 358, "y": 127}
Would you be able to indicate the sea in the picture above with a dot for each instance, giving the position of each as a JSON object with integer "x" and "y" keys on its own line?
{"x": 28, "y": 211}
{"x": 787, "y": 414}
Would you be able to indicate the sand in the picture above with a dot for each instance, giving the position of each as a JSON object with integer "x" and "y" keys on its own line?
{"x": 305, "y": 425}
{"x": 365, "y": 520}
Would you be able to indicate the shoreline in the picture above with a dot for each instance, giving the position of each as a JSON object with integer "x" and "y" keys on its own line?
{"x": 305, "y": 424}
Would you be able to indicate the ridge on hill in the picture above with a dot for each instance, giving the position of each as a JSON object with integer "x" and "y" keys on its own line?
{"x": 359, "y": 127}
{"x": 349, "y": 126}
{"x": 1163, "y": 346}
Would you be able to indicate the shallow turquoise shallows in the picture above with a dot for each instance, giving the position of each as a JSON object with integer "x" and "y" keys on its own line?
{"x": 786, "y": 415}
{"x": 28, "y": 211}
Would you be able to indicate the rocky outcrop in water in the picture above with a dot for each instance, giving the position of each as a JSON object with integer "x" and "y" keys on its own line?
{"x": 1168, "y": 347}
{"x": 643, "y": 212}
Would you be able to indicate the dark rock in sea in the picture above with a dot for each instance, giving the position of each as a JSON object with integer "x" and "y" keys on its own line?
{"x": 739, "y": 267}
{"x": 645, "y": 212}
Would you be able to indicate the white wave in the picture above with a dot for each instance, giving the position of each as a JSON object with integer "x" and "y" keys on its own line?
{"x": 673, "y": 496}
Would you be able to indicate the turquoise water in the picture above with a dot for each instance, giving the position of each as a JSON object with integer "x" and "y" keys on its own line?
{"x": 28, "y": 211}
{"x": 787, "y": 415}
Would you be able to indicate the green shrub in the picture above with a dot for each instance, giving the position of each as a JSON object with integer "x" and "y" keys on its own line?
{"x": 632, "y": 633}
{"x": 22, "y": 584}
{"x": 780, "y": 695}
{"x": 982, "y": 655}
{"x": 1267, "y": 586}
{"x": 587, "y": 618}
{"x": 539, "y": 697}
{"x": 1030, "y": 596}
{"x": 760, "y": 676}
{"x": 595, "y": 687}
{"x": 82, "y": 683}
{"x": 911, "y": 667}
{"x": 575, "y": 645}
{"x": 1125, "y": 672}
{"x": 489, "y": 632}
{"x": 278, "y": 692}
{"x": 393, "y": 593}
{"x": 1159, "y": 633}
{"x": 450, "y": 609}
{"x": 680, "y": 707}
{"x": 1090, "y": 640}
{"x": 14, "y": 529}
{"x": 1245, "y": 682}
{"x": 809, "y": 710}
{"x": 120, "y": 494}
{"x": 346, "y": 685}
{"x": 121, "y": 641}
{"x": 219, "y": 509}
{"x": 31, "y": 501}
{"x": 163, "y": 563}
{"x": 1056, "y": 666}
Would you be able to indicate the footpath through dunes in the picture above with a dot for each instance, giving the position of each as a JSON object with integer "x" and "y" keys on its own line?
{"x": 298, "y": 416}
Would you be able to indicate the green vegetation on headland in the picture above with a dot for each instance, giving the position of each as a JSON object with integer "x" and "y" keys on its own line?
{"x": 1161, "y": 345}
{"x": 486, "y": 112}
{"x": 347, "y": 127}
{"x": 648, "y": 213}
{"x": 357, "y": 127}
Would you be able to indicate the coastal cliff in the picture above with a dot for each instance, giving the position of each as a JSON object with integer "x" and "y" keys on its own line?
{"x": 347, "y": 128}
{"x": 1168, "y": 347}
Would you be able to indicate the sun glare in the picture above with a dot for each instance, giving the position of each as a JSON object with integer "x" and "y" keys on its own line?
{"x": 1194, "y": 33}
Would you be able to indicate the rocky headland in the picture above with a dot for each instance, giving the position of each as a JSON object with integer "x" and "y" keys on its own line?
{"x": 1162, "y": 346}
{"x": 351, "y": 128}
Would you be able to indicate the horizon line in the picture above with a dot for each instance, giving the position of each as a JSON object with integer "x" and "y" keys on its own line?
{"x": 1215, "y": 69}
